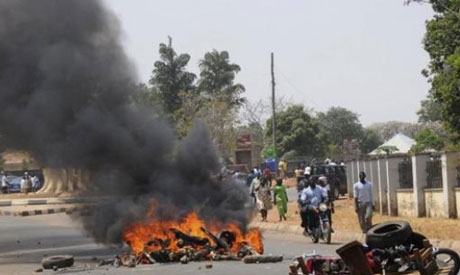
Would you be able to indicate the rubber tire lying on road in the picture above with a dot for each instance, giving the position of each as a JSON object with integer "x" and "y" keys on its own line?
{"x": 453, "y": 255}
{"x": 59, "y": 261}
{"x": 388, "y": 234}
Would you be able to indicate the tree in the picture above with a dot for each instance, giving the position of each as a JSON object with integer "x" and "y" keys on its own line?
{"x": 427, "y": 140}
{"x": 297, "y": 133}
{"x": 170, "y": 78}
{"x": 442, "y": 42}
{"x": 217, "y": 78}
{"x": 370, "y": 141}
{"x": 340, "y": 124}
{"x": 430, "y": 110}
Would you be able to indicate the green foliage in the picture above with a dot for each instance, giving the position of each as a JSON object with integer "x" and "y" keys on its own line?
{"x": 217, "y": 78}
{"x": 387, "y": 149}
{"x": 442, "y": 42}
{"x": 340, "y": 124}
{"x": 370, "y": 141}
{"x": 170, "y": 78}
{"x": 430, "y": 110}
{"x": 296, "y": 132}
{"x": 427, "y": 140}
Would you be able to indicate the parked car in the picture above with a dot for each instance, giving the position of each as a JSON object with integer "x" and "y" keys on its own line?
{"x": 15, "y": 184}
{"x": 336, "y": 177}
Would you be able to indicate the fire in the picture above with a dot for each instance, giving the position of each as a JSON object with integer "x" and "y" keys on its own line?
{"x": 156, "y": 235}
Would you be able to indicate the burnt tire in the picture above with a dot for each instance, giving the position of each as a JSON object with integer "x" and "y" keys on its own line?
{"x": 58, "y": 261}
{"x": 388, "y": 234}
{"x": 445, "y": 257}
{"x": 415, "y": 239}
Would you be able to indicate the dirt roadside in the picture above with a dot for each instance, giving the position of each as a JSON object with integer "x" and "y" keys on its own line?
{"x": 345, "y": 219}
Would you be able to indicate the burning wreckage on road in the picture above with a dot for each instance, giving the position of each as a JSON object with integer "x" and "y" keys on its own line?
{"x": 190, "y": 239}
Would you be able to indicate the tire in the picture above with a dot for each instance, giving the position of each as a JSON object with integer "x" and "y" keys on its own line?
{"x": 59, "y": 261}
{"x": 388, "y": 234}
{"x": 415, "y": 239}
{"x": 447, "y": 258}
{"x": 327, "y": 232}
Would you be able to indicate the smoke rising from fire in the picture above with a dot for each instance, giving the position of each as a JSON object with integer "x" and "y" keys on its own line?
{"x": 65, "y": 90}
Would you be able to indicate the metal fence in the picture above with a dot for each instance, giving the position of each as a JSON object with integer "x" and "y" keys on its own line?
{"x": 434, "y": 173}
{"x": 405, "y": 174}
{"x": 458, "y": 177}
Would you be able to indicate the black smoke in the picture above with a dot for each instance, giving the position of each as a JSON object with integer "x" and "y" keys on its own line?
{"x": 65, "y": 96}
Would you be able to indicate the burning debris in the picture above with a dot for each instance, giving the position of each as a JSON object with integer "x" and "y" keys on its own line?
{"x": 190, "y": 239}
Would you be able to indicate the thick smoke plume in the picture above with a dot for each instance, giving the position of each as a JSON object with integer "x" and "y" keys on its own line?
{"x": 65, "y": 90}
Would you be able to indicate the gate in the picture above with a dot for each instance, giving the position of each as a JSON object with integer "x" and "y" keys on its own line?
{"x": 405, "y": 174}
{"x": 434, "y": 172}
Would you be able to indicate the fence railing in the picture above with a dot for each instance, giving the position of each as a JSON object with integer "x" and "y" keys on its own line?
{"x": 405, "y": 174}
{"x": 434, "y": 173}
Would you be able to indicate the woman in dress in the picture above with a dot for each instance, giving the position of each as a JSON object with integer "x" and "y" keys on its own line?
{"x": 263, "y": 199}
{"x": 280, "y": 198}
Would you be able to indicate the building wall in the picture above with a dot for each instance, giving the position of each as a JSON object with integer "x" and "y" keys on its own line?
{"x": 405, "y": 201}
{"x": 434, "y": 203}
{"x": 457, "y": 199}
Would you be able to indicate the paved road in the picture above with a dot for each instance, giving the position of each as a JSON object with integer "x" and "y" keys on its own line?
{"x": 25, "y": 240}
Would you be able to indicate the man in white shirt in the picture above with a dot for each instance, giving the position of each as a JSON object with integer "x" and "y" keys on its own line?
{"x": 5, "y": 183}
{"x": 364, "y": 202}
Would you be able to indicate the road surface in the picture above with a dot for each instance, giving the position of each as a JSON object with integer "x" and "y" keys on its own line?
{"x": 25, "y": 240}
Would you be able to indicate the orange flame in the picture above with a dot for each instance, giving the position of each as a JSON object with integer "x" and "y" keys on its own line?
{"x": 156, "y": 235}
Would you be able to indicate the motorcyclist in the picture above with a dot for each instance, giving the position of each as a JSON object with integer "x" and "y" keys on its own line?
{"x": 304, "y": 183}
{"x": 310, "y": 199}
{"x": 330, "y": 203}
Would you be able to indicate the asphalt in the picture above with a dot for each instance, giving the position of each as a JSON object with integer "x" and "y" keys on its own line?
{"x": 25, "y": 240}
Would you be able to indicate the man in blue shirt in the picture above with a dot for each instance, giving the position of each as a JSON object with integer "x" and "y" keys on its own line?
{"x": 310, "y": 198}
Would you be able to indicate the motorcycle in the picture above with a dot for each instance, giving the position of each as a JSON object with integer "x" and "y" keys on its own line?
{"x": 323, "y": 230}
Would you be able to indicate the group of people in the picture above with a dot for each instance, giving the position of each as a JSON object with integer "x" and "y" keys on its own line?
{"x": 260, "y": 186}
{"x": 29, "y": 183}
{"x": 312, "y": 191}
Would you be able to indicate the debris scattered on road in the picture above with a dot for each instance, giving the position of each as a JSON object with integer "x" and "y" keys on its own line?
{"x": 208, "y": 266}
{"x": 252, "y": 259}
{"x": 38, "y": 270}
{"x": 58, "y": 261}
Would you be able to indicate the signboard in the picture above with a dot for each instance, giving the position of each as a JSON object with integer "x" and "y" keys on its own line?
{"x": 243, "y": 142}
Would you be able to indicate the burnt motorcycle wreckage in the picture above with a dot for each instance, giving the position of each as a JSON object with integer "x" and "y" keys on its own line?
{"x": 391, "y": 248}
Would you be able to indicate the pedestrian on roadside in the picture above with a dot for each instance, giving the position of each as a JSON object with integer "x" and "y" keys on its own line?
{"x": 268, "y": 175}
{"x": 255, "y": 184}
{"x": 250, "y": 178}
{"x": 26, "y": 185}
{"x": 263, "y": 199}
{"x": 364, "y": 202}
{"x": 282, "y": 167}
{"x": 35, "y": 182}
{"x": 5, "y": 183}
{"x": 280, "y": 198}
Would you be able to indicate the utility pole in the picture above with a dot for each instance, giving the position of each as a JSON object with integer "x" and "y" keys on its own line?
{"x": 273, "y": 104}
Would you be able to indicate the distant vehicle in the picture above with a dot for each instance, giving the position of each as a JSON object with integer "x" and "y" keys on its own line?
{"x": 15, "y": 184}
{"x": 336, "y": 177}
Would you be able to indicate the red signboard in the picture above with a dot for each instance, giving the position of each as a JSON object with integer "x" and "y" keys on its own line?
{"x": 243, "y": 141}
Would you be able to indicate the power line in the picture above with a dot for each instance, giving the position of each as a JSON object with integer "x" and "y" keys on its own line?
{"x": 297, "y": 89}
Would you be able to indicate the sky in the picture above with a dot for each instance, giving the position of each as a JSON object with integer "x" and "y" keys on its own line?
{"x": 364, "y": 55}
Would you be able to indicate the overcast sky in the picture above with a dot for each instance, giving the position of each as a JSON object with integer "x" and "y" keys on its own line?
{"x": 365, "y": 55}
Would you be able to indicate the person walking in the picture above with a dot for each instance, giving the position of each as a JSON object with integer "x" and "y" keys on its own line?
{"x": 5, "y": 183}
{"x": 263, "y": 199}
{"x": 280, "y": 198}
{"x": 364, "y": 202}
{"x": 255, "y": 184}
